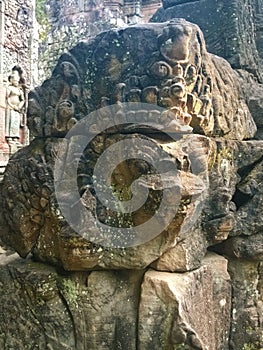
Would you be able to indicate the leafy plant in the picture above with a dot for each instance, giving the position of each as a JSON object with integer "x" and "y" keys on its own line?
{"x": 42, "y": 19}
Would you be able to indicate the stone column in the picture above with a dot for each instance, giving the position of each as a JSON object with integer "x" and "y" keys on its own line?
{"x": 2, "y": 28}
{"x": 4, "y": 149}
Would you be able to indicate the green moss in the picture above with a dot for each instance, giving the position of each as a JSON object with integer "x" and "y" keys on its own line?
{"x": 69, "y": 290}
{"x": 225, "y": 153}
{"x": 250, "y": 346}
{"x": 42, "y": 19}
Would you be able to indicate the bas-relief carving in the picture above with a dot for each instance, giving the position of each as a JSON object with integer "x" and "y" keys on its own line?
{"x": 178, "y": 89}
{"x": 189, "y": 93}
{"x": 16, "y": 102}
{"x": 171, "y": 81}
{"x": 54, "y": 113}
{"x": 111, "y": 70}
{"x": 177, "y": 86}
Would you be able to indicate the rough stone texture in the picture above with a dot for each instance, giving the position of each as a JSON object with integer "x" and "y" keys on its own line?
{"x": 44, "y": 309}
{"x": 235, "y": 33}
{"x": 57, "y": 42}
{"x": 247, "y": 308}
{"x": 252, "y": 93}
{"x": 218, "y": 177}
{"x": 250, "y": 248}
{"x": 72, "y": 21}
{"x": 234, "y": 198}
{"x": 30, "y": 301}
{"x": 18, "y": 46}
{"x": 41, "y": 228}
{"x": 56, "y": 311}
{"x": 185, "y": 256}
{"x": 186, "y": 311}
{"x": 18, "y": 37}
{"x": 232, "y": 28}
{"x": 114, "y": 62}
{"x": 106, "y": 71}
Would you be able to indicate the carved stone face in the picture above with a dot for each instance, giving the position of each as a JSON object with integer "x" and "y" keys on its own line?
{"x": 65, "y": 110}
{"x": 176, "y": 46}
{"x": 14, "y": 78}
{"x": 157, "y": 65}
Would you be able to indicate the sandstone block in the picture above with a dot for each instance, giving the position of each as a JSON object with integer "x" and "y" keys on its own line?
{"x": 186, "y": 311}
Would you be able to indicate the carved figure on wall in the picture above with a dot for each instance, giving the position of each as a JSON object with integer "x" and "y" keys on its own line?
{"x": 64, "y": 119}
{"x": 178, "y": 73}
{"x": 15, "y": 102}
{"x": 175, "y": 42}
{"x": 206, "y": 99}
{"x": 193, "y": 80}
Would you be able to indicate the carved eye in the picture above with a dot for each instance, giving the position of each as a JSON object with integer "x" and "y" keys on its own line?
{"x": 168, "y": 42}
{"x": 161, "y": 70}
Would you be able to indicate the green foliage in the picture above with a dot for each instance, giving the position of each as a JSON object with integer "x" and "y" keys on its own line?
{"x": 250, "y": 346}
{"x": 41, "y": 14}
{"x": 69, "y": 290}
{"x": 42, "y": 19}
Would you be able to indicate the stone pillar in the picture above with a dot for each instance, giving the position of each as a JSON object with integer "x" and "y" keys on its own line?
{"x": 4, "y": 149}
{"x": 2, "y": 28}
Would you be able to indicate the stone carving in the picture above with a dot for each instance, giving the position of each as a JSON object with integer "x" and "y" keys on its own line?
{"x": 174, "y": 73}
{"x": 125, "y": 308}
{"x": 15, "y": 103}
{"x": 177, "y": 74}
{"x": 175, "y": 43}
{"x": 218, "y": 180}
{"x": 161, "y": 70}
{"x": 242, "y": 51}
{"x": 38, "y": 213}
{"x": 64, "y": 119}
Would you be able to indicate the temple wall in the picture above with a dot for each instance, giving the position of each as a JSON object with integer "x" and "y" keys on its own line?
{"x": 18, "y": 46}
{"x": 75, "y": 20}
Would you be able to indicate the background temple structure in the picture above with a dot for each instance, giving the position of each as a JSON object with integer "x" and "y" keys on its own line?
{"x": 182, "y": 120}
{"x": 18, "y": 47}
{"x": 69, "y": 22}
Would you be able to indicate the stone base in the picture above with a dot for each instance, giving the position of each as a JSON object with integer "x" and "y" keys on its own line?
{"x": 106, "y": 310}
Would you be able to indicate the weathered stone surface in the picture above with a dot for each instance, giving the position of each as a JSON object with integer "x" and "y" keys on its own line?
{"x": 247, "y": 304}
{"x": 41, "y": 228}
{"x": 252, "y": 92}
{"x": 249, "y": 198}
{"x": 34, "y": 314}
{"x": 230, "y": 209}
{"x": 104, "y": 309}
{"x": 227, "y": 211}
{"x": 115, "y": 68}
{"x": 235, "y": 33}
{"x": 42, "y": 309}
{"x": 250, "y": 248}
{"x": 186, "y": 311}
{"x": 185, "y": 256}
{"x": 73, "y": 21}
{"x": 197, "y": 91}
{"x": 112, "y": 309}
{"x": 232, "y": 29}
{"x": 216, "y": 190}
{"x": 18, "y": 38}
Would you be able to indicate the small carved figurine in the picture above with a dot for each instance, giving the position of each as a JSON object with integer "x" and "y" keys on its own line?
{"x": 15, "y": 101}
{"x": 64, "y": 119}
{"x": 206, "y": 103}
